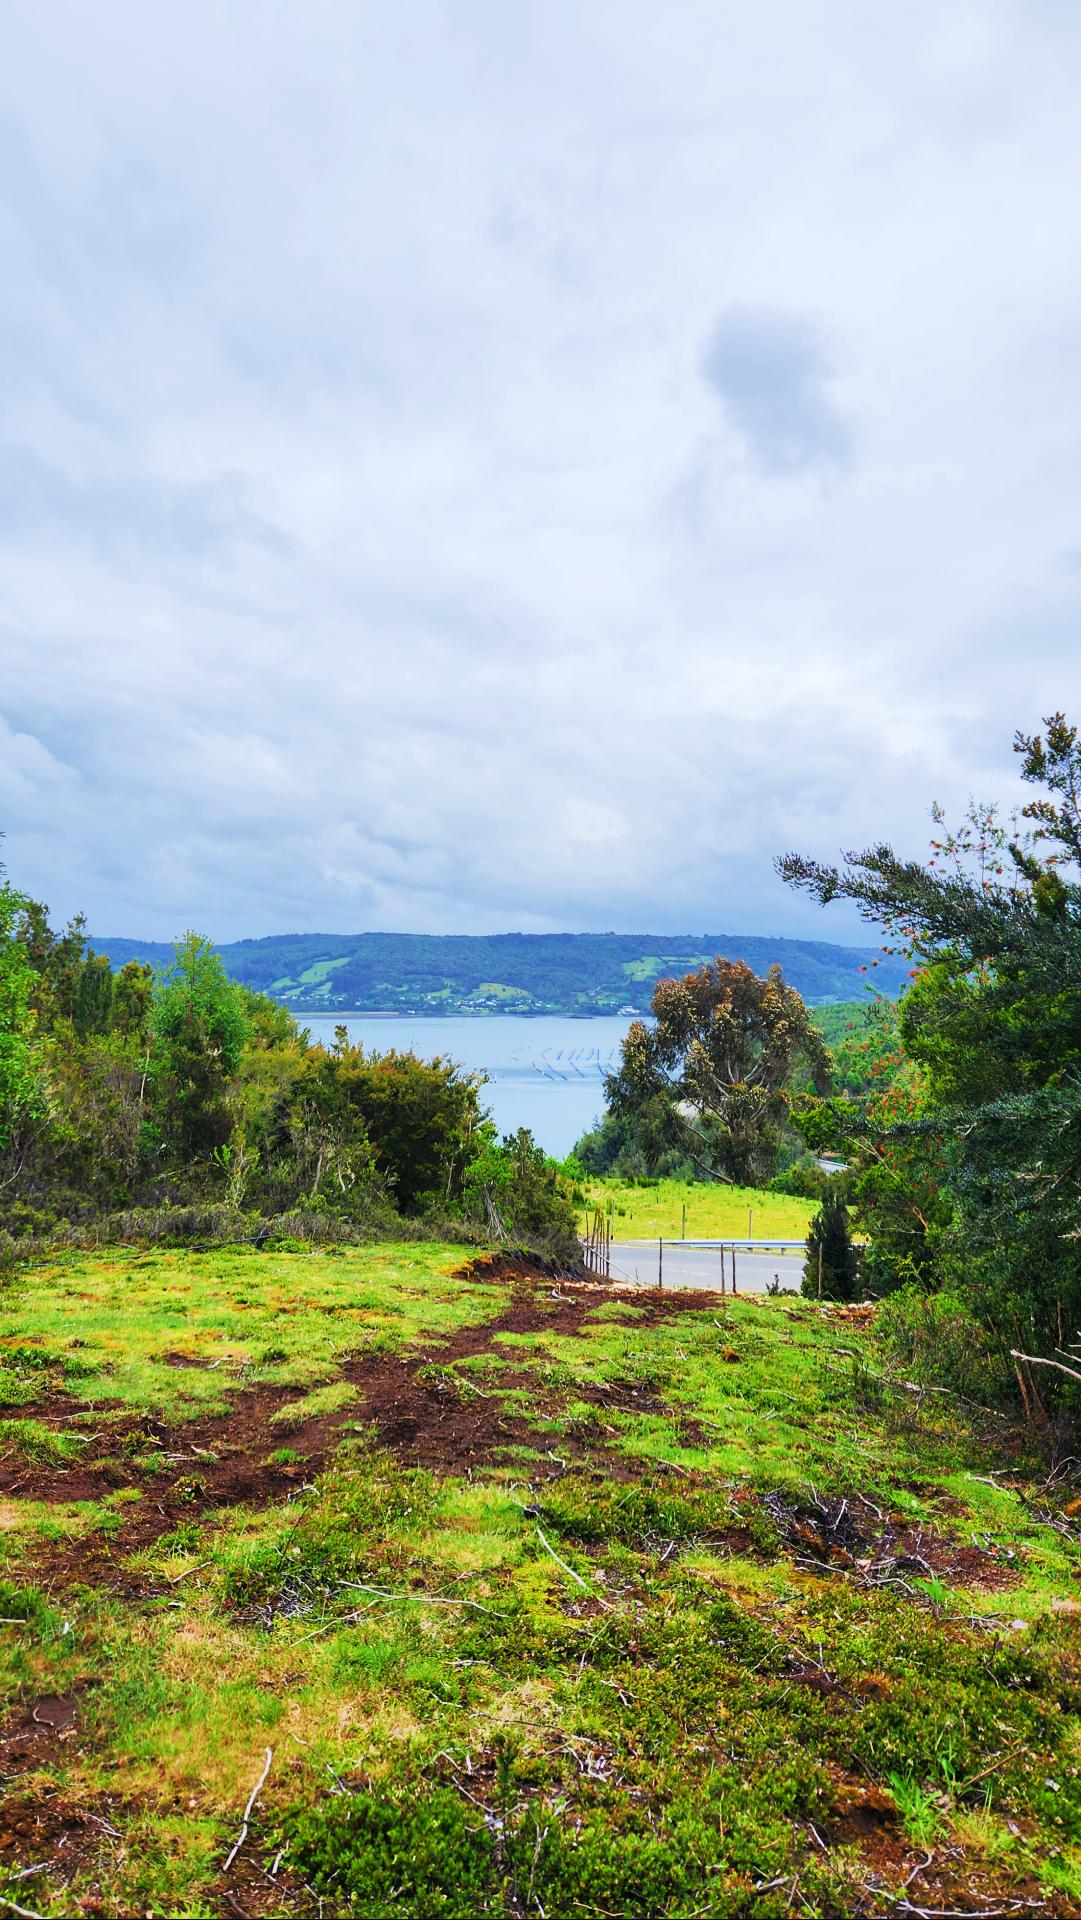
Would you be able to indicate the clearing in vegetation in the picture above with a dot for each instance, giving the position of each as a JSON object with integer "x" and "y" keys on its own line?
{"x": 518, "y": 1598}
{"x": 715, "y": 1211}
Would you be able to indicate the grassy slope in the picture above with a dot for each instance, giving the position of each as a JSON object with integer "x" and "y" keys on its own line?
{"x": 713, "y": 1211}
{"x": 707, "y": 1621}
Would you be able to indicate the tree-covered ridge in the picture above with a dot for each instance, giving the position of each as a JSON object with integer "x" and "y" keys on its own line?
{"x": 562, "y": 973}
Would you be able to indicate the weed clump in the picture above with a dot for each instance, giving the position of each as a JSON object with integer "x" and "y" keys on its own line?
{"x": 414, "y": 1857}
{"x": 40, "y": 1444}
{"x": 594, "y": 1513}
{"x": 615, "y": 1861}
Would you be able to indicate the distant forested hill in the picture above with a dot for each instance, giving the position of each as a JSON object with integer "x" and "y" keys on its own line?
{"x": 568, "y": 973}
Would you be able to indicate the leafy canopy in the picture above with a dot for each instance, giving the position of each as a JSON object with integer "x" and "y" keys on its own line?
{"x": 19, "y": 1072}
{"x": 720, "y": 1057}
{"x": 201, "y": 1026}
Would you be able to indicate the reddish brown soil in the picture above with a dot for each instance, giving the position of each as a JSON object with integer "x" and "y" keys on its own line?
{"x": 436, "y": 1423}
{"x": 73, "y": 1839}
{"x": 68, "y": 1838}
{"x": 868, "y": 1813}
{"x": 426, "y": 1416}
{"x": 248, "y": 1891}
{"x": 36, "y": 1729}
{"x": 418, "y": 1410}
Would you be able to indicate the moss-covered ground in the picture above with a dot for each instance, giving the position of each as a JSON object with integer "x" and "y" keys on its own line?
{"x": 519, "y": 1599}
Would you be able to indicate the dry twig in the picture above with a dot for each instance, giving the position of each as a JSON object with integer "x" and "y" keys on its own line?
{"x": 252, "y": 1797}
{"x": 576, "y": 1577}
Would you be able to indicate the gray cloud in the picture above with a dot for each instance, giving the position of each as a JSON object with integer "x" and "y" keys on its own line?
{"x": 373, "y": 551}
{"x": 127, "y": 513}
{"x": 772, "y": 371}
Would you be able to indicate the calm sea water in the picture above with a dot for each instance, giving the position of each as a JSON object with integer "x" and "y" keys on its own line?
{"x": 544, "y": 1074}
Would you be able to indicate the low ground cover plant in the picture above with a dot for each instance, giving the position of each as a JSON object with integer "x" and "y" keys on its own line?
{"x": 763, "y": 1629}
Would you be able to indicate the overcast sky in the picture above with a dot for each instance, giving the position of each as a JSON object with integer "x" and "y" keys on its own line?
{"x": 507, "y": 464}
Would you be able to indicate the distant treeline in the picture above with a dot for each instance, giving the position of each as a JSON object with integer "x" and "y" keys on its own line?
{"x": 563, "y": 973}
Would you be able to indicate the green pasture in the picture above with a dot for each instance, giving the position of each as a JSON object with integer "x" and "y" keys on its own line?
{"x": 713, "y": 1212}
{"x": 116, "y": 1326}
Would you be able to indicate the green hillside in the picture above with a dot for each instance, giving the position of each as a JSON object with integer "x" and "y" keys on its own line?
{"x": 567, "y": 973}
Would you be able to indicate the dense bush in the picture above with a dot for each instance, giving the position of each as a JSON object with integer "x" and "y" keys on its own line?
{"x": 968, "y": 1167}
{"x": 832, "y": 1268}
{"x": 939, "y": 1333}
{"x": 806, "y": 1179}
{"x": 520, "y": 1194}
{"x": 180, "y": 1105}
{"x": 636, "y": 1145}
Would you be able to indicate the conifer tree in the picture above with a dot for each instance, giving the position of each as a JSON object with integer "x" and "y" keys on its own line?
{"x": 832, "y": 1267}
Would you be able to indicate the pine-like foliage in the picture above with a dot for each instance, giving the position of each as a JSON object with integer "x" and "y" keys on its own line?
{"x": 831, "y": 1271}
{"x": 992, "y": 1023}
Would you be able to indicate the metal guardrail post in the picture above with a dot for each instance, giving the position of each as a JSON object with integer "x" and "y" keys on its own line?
{"x": 660, "y": 1260}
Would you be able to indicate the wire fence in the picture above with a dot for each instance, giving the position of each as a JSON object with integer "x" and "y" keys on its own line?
{"x": 741, "y": 1265}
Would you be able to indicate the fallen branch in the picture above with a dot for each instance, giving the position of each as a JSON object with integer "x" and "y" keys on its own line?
{"x": 1035, "y": 1360}
{"x": 999, "y": 1760}
{"x": 421, "y": 1599}
{"x": 252, "y": 1797}
{"x": 548, "y": 1548}
{"x": 921, "y": 1868}
{"x": 173, "y": 1580}
{"x": 27, "y": 1913}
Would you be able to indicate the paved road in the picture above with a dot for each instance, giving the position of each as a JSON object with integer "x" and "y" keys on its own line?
{"x": 634, "y": 1262}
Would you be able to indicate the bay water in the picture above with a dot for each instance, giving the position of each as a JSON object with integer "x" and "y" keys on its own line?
{"x": 544, "y": 1073}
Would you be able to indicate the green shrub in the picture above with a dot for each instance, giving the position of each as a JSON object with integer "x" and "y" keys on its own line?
{"x": 345, "y": 1531}
{"x": 590, "y": 1512}
{"x": 832, "y": 1268}
{"x": 403, "y": 1855}
{"x": 518, "y": 1192}
{"x": 937, "y": 1336}
{"x": 807, "y": 1179}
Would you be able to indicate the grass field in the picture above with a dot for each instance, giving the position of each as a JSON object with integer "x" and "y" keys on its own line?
{"x": 712, "y": 1211}
{"x": 518, "y": 1599}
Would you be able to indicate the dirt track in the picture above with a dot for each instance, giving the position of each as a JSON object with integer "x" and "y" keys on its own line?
{"x": 446, "y": 1425}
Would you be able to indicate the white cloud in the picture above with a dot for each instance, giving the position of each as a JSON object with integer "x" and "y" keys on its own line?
{"x": 374, "y": 551}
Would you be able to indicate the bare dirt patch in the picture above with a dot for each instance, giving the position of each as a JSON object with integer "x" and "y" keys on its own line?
{"x": 52, "y": 1831}
{"x": 651, "y": 1304}
{"x": 448, "y": 1426}
{"x": 426, "y": 1416}
{"x": 39, "y": 1732}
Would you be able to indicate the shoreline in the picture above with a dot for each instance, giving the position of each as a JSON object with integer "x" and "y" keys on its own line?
{"x": 457, "y": 1013}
